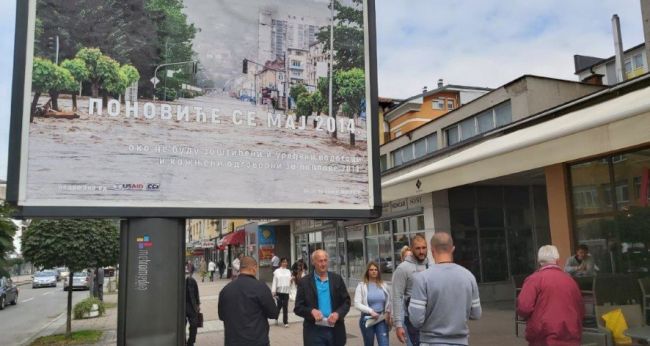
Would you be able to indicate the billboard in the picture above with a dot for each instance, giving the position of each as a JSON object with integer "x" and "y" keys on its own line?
{"x": 187, "y": 108}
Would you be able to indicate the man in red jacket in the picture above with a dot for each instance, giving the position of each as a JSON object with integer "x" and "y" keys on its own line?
{"x": 551, "y": 303}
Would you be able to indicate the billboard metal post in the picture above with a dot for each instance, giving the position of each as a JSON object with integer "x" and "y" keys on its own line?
{"x": 151, "y": 303}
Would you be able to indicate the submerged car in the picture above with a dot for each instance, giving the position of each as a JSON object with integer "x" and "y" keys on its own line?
{"x": 46, "y": 278}
{"x": 8, "y": 292}
{"x": 80, "y": 281}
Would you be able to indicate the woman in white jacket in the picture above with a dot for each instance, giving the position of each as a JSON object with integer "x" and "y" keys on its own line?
{"x": 280, "y": 288}
{"x": 372, "y": 298}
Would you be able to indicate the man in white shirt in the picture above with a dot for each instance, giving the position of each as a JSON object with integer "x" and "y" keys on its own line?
{"x": 212, "y": 268}
{"x": 275, "y": 262}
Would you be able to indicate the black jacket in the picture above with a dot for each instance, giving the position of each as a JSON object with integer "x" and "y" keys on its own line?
{"x": 245, "y": 306}
{"x": 192, "y": 300}
{"x": 306, "y": 301}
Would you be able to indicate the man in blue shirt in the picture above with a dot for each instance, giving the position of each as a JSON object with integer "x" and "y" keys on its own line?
{"x": 323, "y": 301}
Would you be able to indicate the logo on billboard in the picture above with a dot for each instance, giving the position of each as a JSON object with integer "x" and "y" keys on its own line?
{"x": 142, "y": 274}
{"x": 135, "y": 187}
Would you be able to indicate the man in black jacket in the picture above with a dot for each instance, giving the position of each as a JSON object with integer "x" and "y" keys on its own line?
{"x": 192, "y": 307}
{"x": 323, "y": 301}
{"x": 245, "y": 306}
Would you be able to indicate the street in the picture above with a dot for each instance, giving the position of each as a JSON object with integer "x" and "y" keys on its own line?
{"x": 36, "y": 310}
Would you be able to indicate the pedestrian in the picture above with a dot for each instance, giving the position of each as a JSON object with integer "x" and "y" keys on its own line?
{"x": 235, "y": 266}
{"x": 405, "y": 252}
{"x": 297, "y": 273}
{"x": 551, "y": 303}
{"x": 281, "y": 287}
{"x": 444, "y": 297}
{"x": 299, "y": 262}
{"x": 203, "y": 270}
{"x": 582, "y": 264}
{"x": 98, "y": 283}
{"x": 402, "y": 285}
{"x": 189, "y": 267}
{"x": 221, "y": 265}
{"x": 245, "y": 306}
{"x": 323, "y": 301}
{"x": 275, "y": 262}
{"x": 192, "y": 307}
{"x": 372, "y": 298}
{"x": 211, "y": 268}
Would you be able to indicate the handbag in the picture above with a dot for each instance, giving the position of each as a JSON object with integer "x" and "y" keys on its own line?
{"x": 200, "y": 320}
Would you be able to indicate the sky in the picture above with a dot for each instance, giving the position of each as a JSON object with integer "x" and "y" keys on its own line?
{"x": 476, "y": 43}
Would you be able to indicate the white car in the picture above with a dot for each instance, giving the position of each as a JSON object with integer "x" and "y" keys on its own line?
{"x": 46, "y": 278}
{"x": 80, "y": 281}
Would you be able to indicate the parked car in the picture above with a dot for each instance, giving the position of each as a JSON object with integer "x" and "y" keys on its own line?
{"x": 45, "y": 278}
{"x": 8, "y": 292}
{"x": 80, "y": 281}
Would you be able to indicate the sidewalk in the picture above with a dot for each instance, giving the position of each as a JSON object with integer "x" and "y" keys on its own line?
{"x": 496, "y": 327}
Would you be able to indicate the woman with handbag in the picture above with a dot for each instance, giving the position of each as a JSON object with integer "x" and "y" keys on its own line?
{"x": 372, "y": 298}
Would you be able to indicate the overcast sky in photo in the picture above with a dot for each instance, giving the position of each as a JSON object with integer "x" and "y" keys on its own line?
{"x": 477, "y": 43}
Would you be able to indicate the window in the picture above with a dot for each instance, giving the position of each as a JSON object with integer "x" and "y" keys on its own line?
{"x": 397, "y": 157}
{"x": 485, "y": 121}
{"x": 453, "y": 136}
{"x": 383, "y": 163}
{"x": 438, "y": 104}
{"x": 468, "y": 128}
{"x": 420, "y": 147}
{"x": 432, "y": 142}
{"x": 503, "y": 114}
{"x": 450, "y": 104}
{"x": 407, "y": 153}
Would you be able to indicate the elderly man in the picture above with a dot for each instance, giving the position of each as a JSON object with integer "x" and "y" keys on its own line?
{"x": 323, "y": 301}
{"x": 581, "y": 264}
{"x": 551, "y": 303}
{"x": 245, "y": 306}
{"x": 444, "y": 297}
{"x": 402, "y": 284}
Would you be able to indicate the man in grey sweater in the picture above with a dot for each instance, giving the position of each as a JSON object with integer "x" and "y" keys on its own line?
{"x": 444, "y": 298}
{"x": 401, "y": 294}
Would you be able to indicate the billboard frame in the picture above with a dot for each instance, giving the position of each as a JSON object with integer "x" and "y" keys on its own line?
{"x": 16, "y": 142}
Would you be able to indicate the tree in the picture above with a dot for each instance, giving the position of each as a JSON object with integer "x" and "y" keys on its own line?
{"x": 297, "y": 91}
{"x": 348, "y": 36}
{"x": 352, "y": 88}
{"x": 63, "y": 82}
{"x": 73, "y": 243}
{"x": 304, "y": 105}
{"x": 43, "y": 78}
{"x": 79, "y": 71}
{"x": 103, "y": 71}
{"x": 7, "y": 231}
{"x": 318, "y": 102}
{"x": 128, "y": 76}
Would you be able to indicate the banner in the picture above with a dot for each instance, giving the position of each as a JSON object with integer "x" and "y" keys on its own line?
{"x": 187, "y": 104}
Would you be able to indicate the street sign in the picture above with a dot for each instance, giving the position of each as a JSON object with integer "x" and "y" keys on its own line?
{"x": 242, "y": 151}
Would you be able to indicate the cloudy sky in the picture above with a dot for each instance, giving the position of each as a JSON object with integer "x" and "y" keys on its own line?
{"x": 481, "y": 43}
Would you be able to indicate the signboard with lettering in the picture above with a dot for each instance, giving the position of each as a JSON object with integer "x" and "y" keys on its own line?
{"x": 241, "y": 119}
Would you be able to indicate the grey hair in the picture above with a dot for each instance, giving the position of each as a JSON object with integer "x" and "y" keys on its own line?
{"x": 547, "y": 254}
{"x": 313, "y": 254}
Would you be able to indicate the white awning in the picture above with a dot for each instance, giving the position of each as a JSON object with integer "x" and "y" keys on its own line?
{"x": 612, "y": 125}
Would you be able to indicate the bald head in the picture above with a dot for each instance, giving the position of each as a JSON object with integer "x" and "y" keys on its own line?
{"x": 319, "y": 260}
{"x": 248, "y": 265}
{"x": 442, "y": 242}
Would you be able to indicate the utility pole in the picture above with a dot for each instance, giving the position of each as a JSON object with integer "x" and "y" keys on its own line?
{"x": 331, "y": 97}
{"x": 645, "y": 18}
{"x": 56, "y": 59}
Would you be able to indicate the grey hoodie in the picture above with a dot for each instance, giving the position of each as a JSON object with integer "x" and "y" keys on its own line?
{"x": 402, "y": 285}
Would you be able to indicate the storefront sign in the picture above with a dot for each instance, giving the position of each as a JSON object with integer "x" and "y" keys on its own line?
{"x": 207, "y": 139}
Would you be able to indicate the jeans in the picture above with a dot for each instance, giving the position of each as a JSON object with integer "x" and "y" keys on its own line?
{"x": 283, "y": 304}
{"x": 318, "y": 336}
{"x": 379, "y": 330}
{"x": 412, "y": 333}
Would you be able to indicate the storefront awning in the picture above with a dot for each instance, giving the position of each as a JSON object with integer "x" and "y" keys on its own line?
{"x": 609, "y": 126}
{"x": 234, "y": 238}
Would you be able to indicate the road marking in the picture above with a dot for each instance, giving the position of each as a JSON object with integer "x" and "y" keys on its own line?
{"x": 46, "y": 293}
{"x": 26, "y": 300}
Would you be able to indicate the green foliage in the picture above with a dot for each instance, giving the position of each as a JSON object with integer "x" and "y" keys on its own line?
{"x": 7, "y": 231}
{"x": 81, "y": 337}
{"x": 72, "y": 243}
{"x": 318, "y": 102}
{"x": 63, "y": 81}
{"x": 351, "y": 88}
{"x": 109, "y": 74}
{"x": 90, "y": 57}
{"x": 85, "y": 306}
{"x": 304, "y": 105}
{"x": 129, "y": 75}
{"x": 297, "y": 91}
{"x": 77, "y": 68}
{"x": 43, "y": 75}
{"x": 165, "y": 94}
{"x": 348, "y": 36}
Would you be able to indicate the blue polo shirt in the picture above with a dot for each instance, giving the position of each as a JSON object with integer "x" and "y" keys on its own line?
{"x": 323, "y": 293}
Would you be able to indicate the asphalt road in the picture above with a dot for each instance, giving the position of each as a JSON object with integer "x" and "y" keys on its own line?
{"x": 36, "y": 309}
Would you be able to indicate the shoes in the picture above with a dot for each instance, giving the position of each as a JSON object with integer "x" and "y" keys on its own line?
{"x": 286, "y": 326}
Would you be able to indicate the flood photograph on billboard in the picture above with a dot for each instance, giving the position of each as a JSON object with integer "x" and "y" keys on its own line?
{"x": 190, "y": 103}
